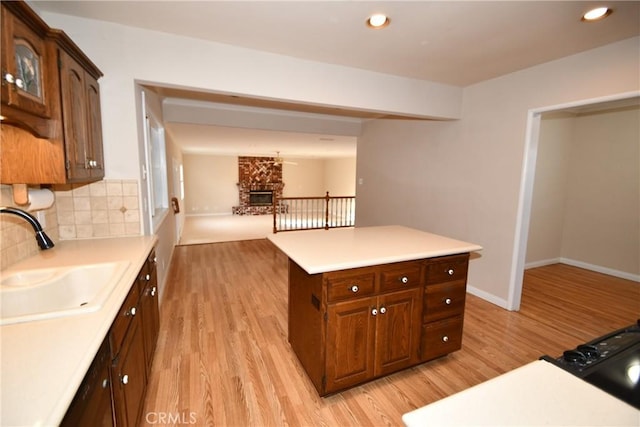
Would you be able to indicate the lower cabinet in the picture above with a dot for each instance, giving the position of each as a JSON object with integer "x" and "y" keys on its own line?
{"x": 92, "y": 405}
{"x": 115, "y": 386}
{"x": 129, "y": 375}
{"x": 351, "y": 326}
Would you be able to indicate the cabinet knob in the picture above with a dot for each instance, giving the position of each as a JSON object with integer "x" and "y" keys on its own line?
{"x": 383, "y": 310}
{"x": 147, "y": 277}
{"x": 105, "y": 383}
{"x": 445, "y": 338}
{"x": 450, "y": 272}
{"x": 8, "y": 77}
{"x": 447, "y": 301}
{"x": 404, "y": 279}
{"x": 374, "y": 312}
{"x": 125, "y": 379}
{"x": 153, "y": 291}
{"x": 355, "y": 288}
{"x": 132, "y": 311}
{"x": 19, "y": 83}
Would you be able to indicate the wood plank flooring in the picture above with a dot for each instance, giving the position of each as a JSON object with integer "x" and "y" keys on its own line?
{"x": 223, "y": 358}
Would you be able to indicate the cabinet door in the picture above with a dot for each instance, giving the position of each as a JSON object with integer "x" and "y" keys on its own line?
{"x": 91, "y": 406}
{"x": 72, "y": 89}
{"x": 24, "y": 67}
{"x": 398, "y": 330}
{"x": 94, "y": 127}
{"x": 350, "y": 343}
{"x": 150, "y": 316}
{"x": 129, "y": 377}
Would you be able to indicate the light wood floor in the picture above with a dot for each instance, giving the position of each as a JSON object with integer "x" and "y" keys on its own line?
{"x": 223, "y": 357}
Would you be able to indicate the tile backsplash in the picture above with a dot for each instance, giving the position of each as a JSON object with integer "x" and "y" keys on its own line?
{"x": 108, "y": 208}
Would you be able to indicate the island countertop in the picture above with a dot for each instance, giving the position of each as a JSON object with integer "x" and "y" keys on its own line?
{"x": 321, "y": 251}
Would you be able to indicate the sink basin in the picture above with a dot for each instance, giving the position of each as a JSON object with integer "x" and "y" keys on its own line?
{"x": 56, "y": 292}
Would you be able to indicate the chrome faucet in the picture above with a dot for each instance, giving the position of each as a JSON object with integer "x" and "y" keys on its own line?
{"x": 43, "y": 240}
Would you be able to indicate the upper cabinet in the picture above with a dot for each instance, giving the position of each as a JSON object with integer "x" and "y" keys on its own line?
{"x": 28, "y": 71}
{"x": 51, "y": 126}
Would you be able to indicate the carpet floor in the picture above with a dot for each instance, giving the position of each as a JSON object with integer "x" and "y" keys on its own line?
{"x": 225, "y": 228}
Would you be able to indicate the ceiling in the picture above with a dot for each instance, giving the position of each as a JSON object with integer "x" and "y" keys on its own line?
{"x": 452, "y": 42}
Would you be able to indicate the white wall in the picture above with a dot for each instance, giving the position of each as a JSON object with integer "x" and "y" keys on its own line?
{"x": 463, "y": 178}
{"x": 210, "y": 184}
{"x": 602, "y": 223}
{"x": 127, "y": 54}
{"x": 340, "y": 176}
{"x": 550, "y": 190}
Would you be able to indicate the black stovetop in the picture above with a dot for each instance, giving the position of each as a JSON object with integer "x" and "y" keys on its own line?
{"x": 611, "y": 363}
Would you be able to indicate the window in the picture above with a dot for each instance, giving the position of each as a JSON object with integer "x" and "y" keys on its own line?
{"x": 156, "y": 169}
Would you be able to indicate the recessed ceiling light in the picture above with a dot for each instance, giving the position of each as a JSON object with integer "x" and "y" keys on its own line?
{"x": 597, "y": 13}
{"x": 378, "y": 21}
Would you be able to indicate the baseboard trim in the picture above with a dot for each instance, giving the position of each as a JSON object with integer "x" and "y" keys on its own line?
{"x": 586, "y": 266}
{"x": 487, "y": 297}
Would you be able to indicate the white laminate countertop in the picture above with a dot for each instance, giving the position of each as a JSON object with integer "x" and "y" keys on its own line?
{"x": 537, "y": 394}
{"x": 42, "y": 363}
{"x": 320, "y": 251}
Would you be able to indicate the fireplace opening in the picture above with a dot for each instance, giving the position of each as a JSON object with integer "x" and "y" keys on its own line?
{"x": 261, "y": 198}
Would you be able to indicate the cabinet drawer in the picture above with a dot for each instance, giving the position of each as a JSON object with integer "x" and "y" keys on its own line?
{"x": 121, "y": 323}
{"x": 443, "y": 300}
{"x": 440, "y": 338}
{"x": 448, "y": 268}
{"x": 400, "y": 276}
{"x": 351, "y": 287}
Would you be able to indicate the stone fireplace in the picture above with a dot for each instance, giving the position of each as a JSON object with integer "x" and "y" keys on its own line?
{"x": 260, "y": 180}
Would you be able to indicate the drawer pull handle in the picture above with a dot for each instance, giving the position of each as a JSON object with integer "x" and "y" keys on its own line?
{"x": 374, "y": 312}
{"x": 404, "y": 279}
{"x": 355, "y": 288}
{"x": 383, "y": 310}
{"x": 125, "y": 379}
{"x": 447, "y": 301}
{"x": 445, "y": 338}
{"x": 450, "y": 272}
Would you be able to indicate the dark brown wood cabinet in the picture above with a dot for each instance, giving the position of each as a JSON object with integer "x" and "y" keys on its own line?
{"x": 129, "y": 376}
{"x": 28, "y": 64}
{"x": 150, "y": 308}
{"x": 92, "y": 404}
{"x": 132, "y": 340}
{"x": 52, "y": 126}
{"x": 443, "y": 306}
{"x": 351, "y": 326}
{"x": 124, "y": 360}
{"x": 80, "y": 97}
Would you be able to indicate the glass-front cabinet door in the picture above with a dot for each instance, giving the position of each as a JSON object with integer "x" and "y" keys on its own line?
{"x": 24, "y": 67}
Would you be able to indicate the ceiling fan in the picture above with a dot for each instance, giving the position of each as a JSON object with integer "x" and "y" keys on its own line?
{"x": 277, "y": 160}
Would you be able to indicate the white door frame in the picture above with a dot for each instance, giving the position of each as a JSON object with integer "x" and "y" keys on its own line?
{"x": 526, "y": 189}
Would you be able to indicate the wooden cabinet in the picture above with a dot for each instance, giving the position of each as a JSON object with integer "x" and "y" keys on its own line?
{"x": 117, "y": 379}
{"x": 132, "y": 341}
{"x": 443, "y": 306}
{"x": 51, "y": 127}
{"x": 150, "y": 309}
{"x": 351, "y": 326}
{"x": 80, "y": 97}
{"x": 28, "y": 69}
{"x": 91, "y": 406}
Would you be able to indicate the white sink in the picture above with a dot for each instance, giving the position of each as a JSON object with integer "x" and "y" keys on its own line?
{"x": 47, "y": 293}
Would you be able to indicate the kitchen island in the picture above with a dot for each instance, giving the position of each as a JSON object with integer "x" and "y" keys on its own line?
{"x": 369, "y": 301}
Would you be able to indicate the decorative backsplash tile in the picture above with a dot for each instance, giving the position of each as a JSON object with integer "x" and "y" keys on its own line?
{"x": 108, "y": 208}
